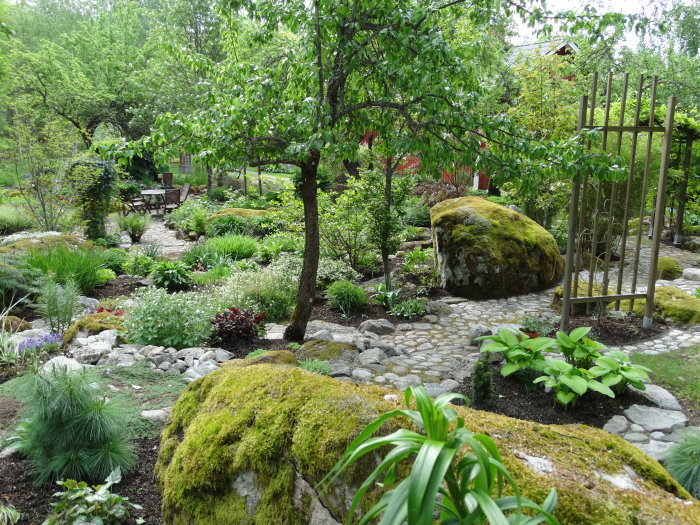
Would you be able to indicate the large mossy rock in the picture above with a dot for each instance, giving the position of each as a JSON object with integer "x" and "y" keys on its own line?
{"x": 669, "y": 303}
{"x": 485, "y": 250}
{"x": 244, "y": 213}
{"x": 246, "y": 445}
{"x": 669, "y": 268}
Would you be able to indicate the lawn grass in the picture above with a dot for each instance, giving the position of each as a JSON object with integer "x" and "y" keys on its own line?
{"x": 677, "y": 371}
{"x": 137, "y": 387}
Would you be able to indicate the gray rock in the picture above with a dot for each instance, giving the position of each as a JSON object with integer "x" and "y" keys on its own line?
{"x": 221, "y": 355}
{"x": 207, "y": 356}
{"x": 160, "y": 414}
{"x": 180, "y": 366}
{"x": 89, "y": 304}
{"x": 652, "y": 418}
{"x": 339, "y": 368}
{"x": 636, "y": 437}
{"x": 164, "y": 366}
{"x": 432, "y": 319}
{"x": 126, "y": 360}
{"x": 677, "y": 436}
{"x": 538, "y": 464}
{"x": 450, "y": 385}
{"x": 479, "y": 330}
{"x": 691, "y": 274}
{"x": 438, "y": 308}
{"x": 372, "y": 356}
{"x": 661, "y": 397}
{"x": 362, "y": 374}
{"x": 323, "y": 335}
{"x": 616, "y": 425}
{"x": 404, "y": 327}
{"x": 110, "y": 337}
{"x": 422, "y": 326}
{"x": 201, "y": 369}
{"x": 91, "y": 354}
{"x": 655, "y": 449}
{"x": 657, "y": 435}
{"x": 61, "y": 362}
{"x": 621, "y": 481}
{"x": 377, "y": 326}
{"x": 434, "y": 389}
{"x": 635, "y": 428}
{"x": 8, "y": 452}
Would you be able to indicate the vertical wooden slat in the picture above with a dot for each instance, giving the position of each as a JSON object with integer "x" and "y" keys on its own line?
{"x": 682, "y": 196}
{"x": 573, "y": 227}
{"x": 645, "y": 185}
{"x": 659, "y": 217}
{"x": 628, "y": 193}
{"x": 613, "y": 192}
{"x": 591, "y": 266}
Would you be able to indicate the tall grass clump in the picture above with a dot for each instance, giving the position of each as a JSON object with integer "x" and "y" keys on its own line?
{"x": 12, "y": 220}
{"x": 63, "y": 263}
{"x": 233, "y": 246}
{"x": 72, "y": 432}
{"x": 346, "y": 297}
{"x": 58, "y": 304}
{"x": 134, "y": 224}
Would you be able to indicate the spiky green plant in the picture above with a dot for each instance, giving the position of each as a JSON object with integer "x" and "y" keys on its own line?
{"x": 9, "y": 515}
{"x": 683, "y": 462}
{"x": 461, "y": 483}
{"x": 72, "y": 432}
{"x": 58, "y": 304}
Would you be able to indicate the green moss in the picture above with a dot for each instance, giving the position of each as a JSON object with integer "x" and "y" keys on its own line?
{"x": 93, "y": 324}
{"x": 269, "y": 423}
{"x": 669, "y": 268}
{"x": 582, "y": 290}
{"x": 49, "y": 241}
{"x": 12, "y": 323}
{"x": 486, "y": 250}
{"x": 238, "y": 212}
{"x": 325, "y": 350}
{"x": 271, "y": 357}
{"x": 669, "y": 303}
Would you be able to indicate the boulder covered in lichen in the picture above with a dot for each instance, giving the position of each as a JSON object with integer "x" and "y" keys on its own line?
{"x": 485, "y": 250}
{"x": 669, "y": 268}
{"x": 248, "y": 445}
{"x": 669, "y": 303}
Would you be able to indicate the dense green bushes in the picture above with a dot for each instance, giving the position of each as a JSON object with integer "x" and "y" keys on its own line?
{"x": 13, "y": 220}
{"x": 346, "y": 297}
{"x": 234, "y": 247}
{"x": 135, "y": 224}
{"x": 63, "y": 263}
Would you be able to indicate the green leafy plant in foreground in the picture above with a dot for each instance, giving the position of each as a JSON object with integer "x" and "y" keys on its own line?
{"x": 520, "y": 352}
{"x": 388, "y": 298}
{"x": 80, "y": 503}
{"x": 683, "y": 462}
{"x": 617, "y": 371}
{"x": 409, "y": 308}
{"x": 570, "y": 383}
{"x": 578, "y": 350}
{"x": 9, "y": 515}
{"x": 460, "y": 485}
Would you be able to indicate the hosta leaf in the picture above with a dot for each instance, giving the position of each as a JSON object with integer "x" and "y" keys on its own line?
{"x": 509, "y": 368}
{"x": 577, "y": 333}
{"x": 611, "y": 380}
{"x": 600, "y": 387}
{"x": 565, "y": 397}
{"x": 575, "y": 383}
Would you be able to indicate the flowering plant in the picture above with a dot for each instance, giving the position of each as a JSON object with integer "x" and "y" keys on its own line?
{"x": 114, "y": 311}
{"x": 234, "y": 323}
{"x": 44, "y": 343}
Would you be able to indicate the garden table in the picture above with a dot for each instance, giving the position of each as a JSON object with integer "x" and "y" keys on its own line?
{"x": 149, "y": 195}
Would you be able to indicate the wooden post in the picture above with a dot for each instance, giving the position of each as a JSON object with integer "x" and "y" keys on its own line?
{"x": 682, "y": 193}
{"x": 260, "y": 193}
{"x": 659, "y": 212}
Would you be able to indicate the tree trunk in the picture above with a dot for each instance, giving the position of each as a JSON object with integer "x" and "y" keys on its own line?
{"x": 386, "y": 226}
{"x": 210, "y": 179}
{"x": 307, "y": 282}
{"x": 260, "y": 193}
{"x": 245, "y": 180}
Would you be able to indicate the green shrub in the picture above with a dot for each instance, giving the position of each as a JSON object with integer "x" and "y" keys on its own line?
{"x": 108, "y": 241}
{"x": 482, "y": 382}
{"x": 317, "y": 366}
{"x": 197, "y": 222}
{"x": 139, "y": 265}
{"x": 233, "y": 246}
{"x": 58, "y": 304}
{"x": 683, "y": 462}
{"x": 72, "y": 431}
{"x": 202, "y": 256}
{"x": 415, "y": 213}
{"x": 217, "y": 195}
{"x": 409, "y": 308}
{"x": 80, "y": 503}
{"x": 229, "y": 225}
{"x": 329, "y": 270}
{"x": 346, "y": 298}
{"x": 255, "y": 353}
{"x": 63, "y": 263}
{"x": 182, "y": 217}
{"x": 212, "y": 276}
{"x": 135, "y": 224}
{"x": 114, "y": 259}
{"x": 443, "y": 476}
{"x": 104, "y": 275}
{"x": 12, "y": 220}
{"x": 262, "y": 291}
{"x": 271, "y": 247}
{"x": 179, "y": 320}
{"x": 172, "y": 275}
{"x": 16, "y": 281}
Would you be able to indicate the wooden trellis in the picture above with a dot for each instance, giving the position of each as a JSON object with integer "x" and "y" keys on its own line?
{"x": 596, "y": 211}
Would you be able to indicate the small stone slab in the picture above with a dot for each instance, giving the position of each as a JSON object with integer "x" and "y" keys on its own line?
{"x": 661, "y": 397}
{"x": 539, "y": 465}
{"x": 677, "y": 436}
{"x": 652, "y": 418}
{"x": 377, "y": 326}
{"x": 160, "y": 414}
{"x": 691, "y": 274}
{"x": 372, "y": 356}
{"x": 616, "y": 425}
{"x": 61, "y": 362}
{"x": 655, "y": 449}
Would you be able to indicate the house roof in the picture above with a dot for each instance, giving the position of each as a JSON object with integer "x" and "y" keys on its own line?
{"x": 546, "y": 47}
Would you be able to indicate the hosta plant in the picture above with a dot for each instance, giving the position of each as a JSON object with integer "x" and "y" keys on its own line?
{"x": 578, "y": 350}
{"x": 387, "y": 298}
{"x": 617, "y": 371}
{"x": 454, "y": 470}
{"x": 236, "y": 323}
{"x": 172, "y": 275}
{"x": 520, "y": 352}
{"x": 570, "y": 383}
{"x": 409, "y": 308}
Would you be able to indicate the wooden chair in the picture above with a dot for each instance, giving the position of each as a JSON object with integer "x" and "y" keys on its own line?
{"x": 138, "y": 205}
{"x": 171, "y": 200}
{"x": 184, "y": 192}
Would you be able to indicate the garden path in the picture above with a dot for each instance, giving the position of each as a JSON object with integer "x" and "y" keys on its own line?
{"x": 158, "y": 233}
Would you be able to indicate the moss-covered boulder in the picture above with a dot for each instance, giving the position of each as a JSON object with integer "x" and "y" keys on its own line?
{"x": 578, "y": 308}
{"x": 669, "y": 268}
{"x": 669, "y": 303}
{"x": 247, "y": 446}
{"x": 327, "y": 351}
{"x": 49, "y": 241}
{"x": 245, "y": 213}
{"x": 485, "y": 250}
{"x": 12, "y": 323}
{"x": 93, "y": 324}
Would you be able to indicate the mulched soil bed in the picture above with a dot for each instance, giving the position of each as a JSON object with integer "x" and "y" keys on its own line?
{"x": 17, "y": 487}
{"x": 612, "y": 331}
{"x": 512, "y": 399}
{"x": 115, "y": 288}
{"x": 242, "y": 347}
{"x": 323, "y": 312}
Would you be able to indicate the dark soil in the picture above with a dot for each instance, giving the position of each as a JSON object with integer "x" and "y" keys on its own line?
{"x": 323, "y": 312}
{"x": 17, "y": 487}
{"x": 115, "y": 288}
{"x": 242, "y": 347}
{"x": 512, "y": 399}
{"x": 612, "y": 331}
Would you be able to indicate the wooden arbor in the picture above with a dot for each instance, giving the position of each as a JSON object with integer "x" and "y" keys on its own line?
{"x": 597, "y": 210}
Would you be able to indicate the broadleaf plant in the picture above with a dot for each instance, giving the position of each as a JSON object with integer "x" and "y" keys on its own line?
{"x": 570, "y": 383}
{"x": 520, "y": 351}
{"x": 455, "y": 470}
{"x": 617, "y": 371}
